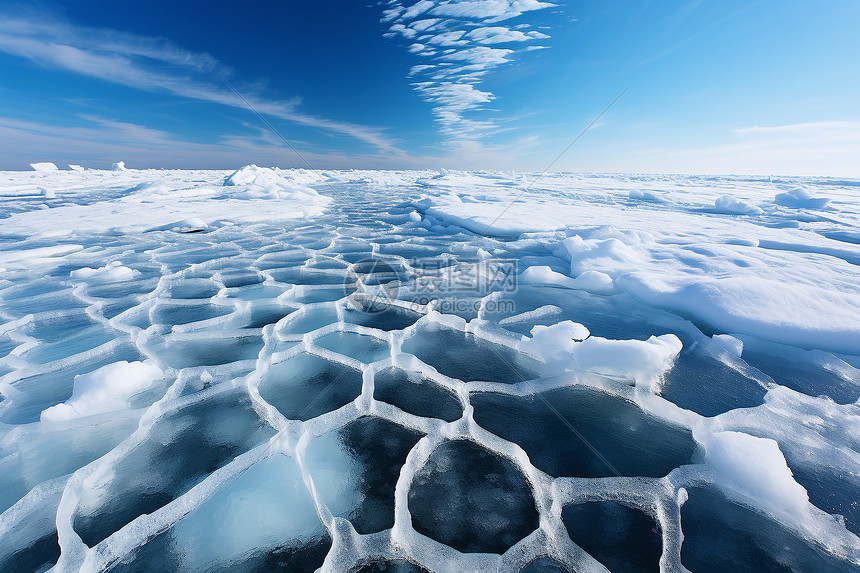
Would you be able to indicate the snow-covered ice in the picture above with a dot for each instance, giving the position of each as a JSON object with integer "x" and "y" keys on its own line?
{"x": 269, "y": 369}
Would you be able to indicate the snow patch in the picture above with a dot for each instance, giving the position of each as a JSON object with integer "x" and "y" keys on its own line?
{"x": 756, "y": 467}
{"x": 110, "y": 273}
{"x": 44, "y": 167}
{"x": 107, "y": 389}
{"x": 591, "y": 281}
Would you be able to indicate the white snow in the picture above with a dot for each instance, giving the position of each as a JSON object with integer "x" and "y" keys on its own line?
{"x": 800, "y": 198}
{"x": 768, "y": 274}
{"x": 728, "y": 204}
{"x": 110, "y": 273}
{"x": 121, "y": 336}
{"x": 568, "y": 346}
{"x": 105, "y": 390}
{"x": 756, "y": 467}
{"x": 44, "y": 167}
{"x": 138, "y": 200}
{"x": 591, "y": 280}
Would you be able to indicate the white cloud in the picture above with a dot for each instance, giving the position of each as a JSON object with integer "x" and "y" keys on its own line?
{"x": 481, "y": 56}
{"x": 448, "y": 79}
{"x": 813, "y": 130}
{"x": 448, "y": 39}
{"x": 491, "y": 10}
{"x": 417, "y": 9}
{"x": 403, "y": 31}
{"x": 153, "y": 65}
{"x": 419, "y": 68}
{"x": 811, "y": 148}
{"x": 424, "y": 25}
{"x": 499, "y": 35}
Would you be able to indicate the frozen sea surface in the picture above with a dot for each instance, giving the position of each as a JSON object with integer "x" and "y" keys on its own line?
{"x": 428, "y": 371}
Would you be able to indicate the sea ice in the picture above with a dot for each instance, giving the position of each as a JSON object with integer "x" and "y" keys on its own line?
{"x": 44, "y": 167}
{"x": 104, "y": 390}
{"x": 668, "y": 376}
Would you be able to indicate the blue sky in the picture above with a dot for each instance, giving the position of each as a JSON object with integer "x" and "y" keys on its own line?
{"x": 718, "y": 86}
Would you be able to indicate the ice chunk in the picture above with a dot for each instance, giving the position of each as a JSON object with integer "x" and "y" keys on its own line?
{"x": 263, "y": 182}
{"x": 190, "y": 225}
{"x": 756, "y": 467}
{"x": 567, "y": 346}
{"x": 110, "y": 273}
{"x": 74, "y": 167}
{"x": 726, "y": 343}
{"x": 119, "y": 166}
{"x": 355, "y": 470}
{"x": 44, "y": 167}
{"x": 104, "y": 390}
{"x": 555, "y": 344}
{"x": 467, "y": 357}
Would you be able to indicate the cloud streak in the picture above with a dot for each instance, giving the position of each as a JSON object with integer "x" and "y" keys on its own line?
{"x": 157, "y": 66}
{"x": 459, "y": 43}
{"x": 98, "y": 142}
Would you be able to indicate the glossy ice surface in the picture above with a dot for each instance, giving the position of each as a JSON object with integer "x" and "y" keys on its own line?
{"x": 350, "y": 371}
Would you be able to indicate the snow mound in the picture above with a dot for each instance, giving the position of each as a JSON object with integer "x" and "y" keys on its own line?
{"x": 591, "y": 281}
{"x": 732, "y": 206}
{"x": 800, "y": 198}
{"x": 756, "y": 467}
{"x": 110, "y": 273}
{"x": 105, "y": 390}
{"x": 119, "y": 166}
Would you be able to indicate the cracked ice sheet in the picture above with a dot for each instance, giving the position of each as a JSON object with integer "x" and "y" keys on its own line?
{"x": 159, "y": 472}
{"x": 774, "y": 274}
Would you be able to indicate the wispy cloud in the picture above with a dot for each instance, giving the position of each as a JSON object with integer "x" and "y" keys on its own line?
{"x": 810, "y": 148}
{"x": 460, "y": 42}
{"x": 98, "y": 142}
{"x": 154, "y": 65}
